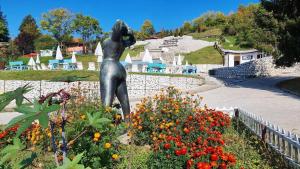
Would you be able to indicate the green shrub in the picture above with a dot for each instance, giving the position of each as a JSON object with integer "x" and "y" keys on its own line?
{"x": 134, "y": 157}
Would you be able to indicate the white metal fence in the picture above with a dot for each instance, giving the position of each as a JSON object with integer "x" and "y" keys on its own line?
{"x": 284, "y": 142}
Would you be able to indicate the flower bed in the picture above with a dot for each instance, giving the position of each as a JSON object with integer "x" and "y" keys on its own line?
{"x": 181, "y": 133}
{"x": 170, "y": 130}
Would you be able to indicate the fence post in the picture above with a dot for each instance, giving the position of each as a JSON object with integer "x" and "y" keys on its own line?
{"x": 3, "y": 86}
{"x": 236, "y": 113}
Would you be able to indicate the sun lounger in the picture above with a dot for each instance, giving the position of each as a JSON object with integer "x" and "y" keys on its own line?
{"x": 92, "y": 66}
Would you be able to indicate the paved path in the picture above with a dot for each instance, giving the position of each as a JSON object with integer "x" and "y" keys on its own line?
{"x": 261, "y": 97}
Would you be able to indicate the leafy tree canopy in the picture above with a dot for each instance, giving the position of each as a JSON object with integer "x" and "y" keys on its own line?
{"x": 4, "y": 34}
{"x": 148, "y": 28}
{"x": 28, "y": 33}
{"x": 57, "y": 22}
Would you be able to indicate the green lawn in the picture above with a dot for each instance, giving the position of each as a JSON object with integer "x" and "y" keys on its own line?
{"x": 207, "y": 55}
{"x": 49, "y": 75}
{"x": 291, "y": 85}
{"x": 90, "y": 58}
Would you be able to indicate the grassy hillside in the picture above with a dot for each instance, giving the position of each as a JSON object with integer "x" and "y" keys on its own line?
{"x": 210, "y": 35}
{"x": 207, "y": 55}
{"x": 231, "y": 44}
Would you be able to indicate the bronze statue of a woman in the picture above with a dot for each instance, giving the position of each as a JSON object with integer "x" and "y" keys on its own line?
{"x": 112, "y": 73}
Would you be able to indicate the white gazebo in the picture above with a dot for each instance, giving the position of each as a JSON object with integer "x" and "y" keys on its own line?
{"x": 147, "y": 57}
{"x": 128, "y": 59}
{"x": 99, "y": 53}
{"x": 73, "y": 59}
{"x": 58, "y": 55}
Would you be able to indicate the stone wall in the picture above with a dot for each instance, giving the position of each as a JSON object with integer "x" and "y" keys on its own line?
{"x": 138, "y": 85}
{"x": 259, "y": 67}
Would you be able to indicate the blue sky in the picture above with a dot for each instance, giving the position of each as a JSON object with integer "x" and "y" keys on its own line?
{"x": 163, "y": 13}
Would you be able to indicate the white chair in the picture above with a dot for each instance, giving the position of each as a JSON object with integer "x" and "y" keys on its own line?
{"x": 92, "y": 66}
{"x": 44, "y": 67}
{"x": 79, "y": 66}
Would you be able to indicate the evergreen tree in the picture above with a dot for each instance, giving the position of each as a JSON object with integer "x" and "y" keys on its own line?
{"x": 4, "y": 34}
{"x": 29, "y": 32}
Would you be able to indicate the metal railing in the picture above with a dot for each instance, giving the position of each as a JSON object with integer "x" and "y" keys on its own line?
{"x": 284, "y": 142}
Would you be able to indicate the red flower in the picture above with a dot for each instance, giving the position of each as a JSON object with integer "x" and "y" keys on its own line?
{"x": 178, "y": 152}
{"x": 223, "y": 166}
{"x": 183, "y": 151}
{"x": 214, "y": 157}
{"x": 189, "y": 163}
{"x": 167, "y": 146}
{"x": 203, "y": 165}
{"x": 186, "y": 130}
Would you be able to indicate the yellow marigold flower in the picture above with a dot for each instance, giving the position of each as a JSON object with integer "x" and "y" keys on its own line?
{"x": 97, "y": 135}
{"x": 96, "y": 139}
{"x": 82, "y": 117}
{"x": 115, "y": 156}
{"x": 107, "y": 145}
{"x": 108, "y": 109}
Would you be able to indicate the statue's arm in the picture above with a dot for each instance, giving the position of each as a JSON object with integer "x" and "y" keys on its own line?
{"x": 131, "y": 40}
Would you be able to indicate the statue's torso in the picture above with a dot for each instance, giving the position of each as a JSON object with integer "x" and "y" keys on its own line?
{"x": 112, "y": 50}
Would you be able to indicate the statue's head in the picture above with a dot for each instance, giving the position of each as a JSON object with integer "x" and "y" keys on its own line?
{"x": 119, "y": 29}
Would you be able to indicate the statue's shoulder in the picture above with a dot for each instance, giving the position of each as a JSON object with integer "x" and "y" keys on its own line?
{"x": 106, "y": 41}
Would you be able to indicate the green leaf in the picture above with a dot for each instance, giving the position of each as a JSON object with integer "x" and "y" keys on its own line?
{"x": 17, "y": 95}
{"x": 30, "y": 114}
{"x": 28, "y": 161}
{"x": 11, "y": 152}
{"x": 68, "y": 164}
{"x": 97, "y": 122}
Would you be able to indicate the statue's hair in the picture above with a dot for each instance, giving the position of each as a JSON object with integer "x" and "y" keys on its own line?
{"x": 119, "y": 28}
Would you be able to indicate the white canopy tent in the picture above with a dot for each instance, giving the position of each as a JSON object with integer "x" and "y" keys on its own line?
{"x": 174, "y": 61}
{"x": 179, "y": 60}
{"x": 99, "y": 53}
{"x": 31, "y": 63}
{"x": 161, "y": 59}
{"x": 73, "y": 59}
{"x": 147, "y": 57}
{"x": 37, "y": 61}
{"x": 58, "y": 55}
{"x": 128, "y": 59}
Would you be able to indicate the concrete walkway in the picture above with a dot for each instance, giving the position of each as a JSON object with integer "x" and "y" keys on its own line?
{"x": 259, "y": 96}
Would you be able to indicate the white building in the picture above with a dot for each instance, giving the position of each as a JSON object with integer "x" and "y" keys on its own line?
{"x": 46, "y": 52}
{"x": 233, "y": 58}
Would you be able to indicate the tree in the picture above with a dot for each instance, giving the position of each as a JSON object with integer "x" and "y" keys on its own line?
{"x": 147, "y": 28}
{"x": 87, "y": 27}
{"x": 187, "y": 27}
{"x": 4, "y": 34}
{"x": 28, "y": 33}
{"x": 45, "y": 42}
{"x": 287, "y": 14}
{"x": 58, "y": 23}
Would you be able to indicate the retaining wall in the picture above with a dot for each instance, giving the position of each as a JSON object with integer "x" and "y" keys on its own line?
{"x": 138, "y": 85}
